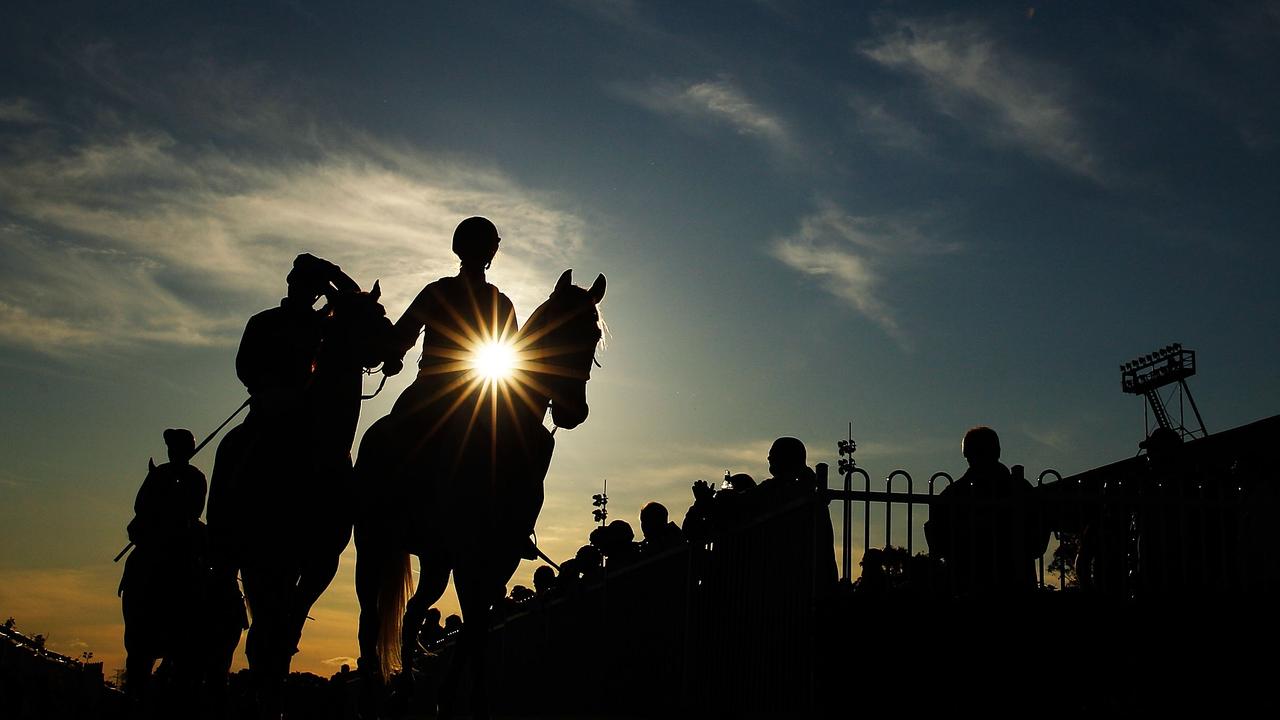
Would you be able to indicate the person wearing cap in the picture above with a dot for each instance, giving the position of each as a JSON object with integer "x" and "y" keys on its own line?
{"x": 171, "y": 498}
{"x": 162, "y": 575}
{"x": 278, "y": 350}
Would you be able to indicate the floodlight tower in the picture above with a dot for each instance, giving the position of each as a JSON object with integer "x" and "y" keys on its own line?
{"x": 1148, "y": 374}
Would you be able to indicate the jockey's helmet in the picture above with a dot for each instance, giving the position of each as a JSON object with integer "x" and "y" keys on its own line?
{"x": 475, "y": 241}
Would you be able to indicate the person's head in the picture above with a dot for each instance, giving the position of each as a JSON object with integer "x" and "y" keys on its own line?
{"x": 453, "y": 622}
{"x": 181, "y": 444}
{"x": 1162, "y": 445}
{"x": 570, "y": 572}
{"x": 786, "y": 458}
{"x": 741, "y": 482}
{"x": 589, "y": 558}
{"x": 307, "y": 279}
{"x": 475, "y": 242}
{"x": 620, "y": 532}
{"x": 981, "y": 446}
{"x": 544, "y": 578}
{"x": 653, "y": 519}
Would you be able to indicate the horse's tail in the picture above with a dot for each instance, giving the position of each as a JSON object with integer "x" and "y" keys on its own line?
{"x": 395, "y": 586}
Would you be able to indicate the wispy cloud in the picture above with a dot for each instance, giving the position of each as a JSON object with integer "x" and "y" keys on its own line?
{"x": 134, "y": 237}
{"x": 846, "y": 254}
{"x": 878, "y": 122}
{"x": 719, "y": 101}
{"x": 1005, "y": 96}
{"x": 1056, "y": 438}
{"x": 20, "y": 111}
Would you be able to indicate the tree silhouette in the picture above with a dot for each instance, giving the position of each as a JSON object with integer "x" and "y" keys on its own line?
{"x": 1064, "y": 559}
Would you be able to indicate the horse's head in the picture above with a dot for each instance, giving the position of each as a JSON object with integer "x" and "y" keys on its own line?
{"x": 357, "y": 330}
{"x": 561, "y": 338}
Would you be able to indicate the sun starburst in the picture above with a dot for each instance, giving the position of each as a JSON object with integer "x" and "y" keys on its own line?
{"x": 494, "y": 361}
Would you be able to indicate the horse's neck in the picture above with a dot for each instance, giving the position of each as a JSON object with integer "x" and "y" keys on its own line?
{"x": 334, "y": 397}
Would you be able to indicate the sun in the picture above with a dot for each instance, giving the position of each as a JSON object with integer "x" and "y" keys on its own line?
{"x": 494, "y": 360}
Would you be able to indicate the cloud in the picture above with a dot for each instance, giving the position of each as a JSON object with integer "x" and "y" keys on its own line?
{"x": 878, "y": 122}
{"x": 719, "y": 101}
{"x": 20, "y": 111}
{"x": 846, "y": 254}
{"x": 1002, "y": 94}
{"x": 135, "y": 237}
{"x": 1055, "y": 438}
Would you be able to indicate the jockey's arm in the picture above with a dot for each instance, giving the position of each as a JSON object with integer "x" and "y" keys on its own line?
{"x": 509, "y": 326}
{"x": 405, "y": 334}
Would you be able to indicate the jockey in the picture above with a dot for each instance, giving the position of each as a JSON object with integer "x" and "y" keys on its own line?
{"x": 459, "y": 314}
{"x": 278, "y": 351}
{"x": 163, "y": 572}
{"x": 453, "y": 309}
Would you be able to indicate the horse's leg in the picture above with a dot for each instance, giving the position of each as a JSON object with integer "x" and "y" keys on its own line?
{"x": 433, "y": 579}
{"x": 268, "y": 587}
{"x": 369, "y": 570}
{"x": 479, "y": 585}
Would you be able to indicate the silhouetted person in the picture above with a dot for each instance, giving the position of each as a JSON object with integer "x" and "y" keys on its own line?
{"x": 277, "y": 360}
{"x": 791, "y": 478}
{"x": 544, "y": 581}
{"x": 457, "y": 315}
{"x": 569, "y": 581}
{"x": 789, "y": 474}
{"x": 163, "y": 574}
{"x": 521, "y": 594}
{"x": 452, "y": 624}
{"x": 659, "y": 532}
{"x": 1187, "y": 529}
{"x": 714, "y": 512}
{"x": 432, "y": 631}
{"x": 590, "y": 563}
{"x": 278, "y": 350}
{"x": 616, "y": 541}
{"x": 983, "y": 524}
{"x": 874, "y": 579}
{"x": 700, "y": 519}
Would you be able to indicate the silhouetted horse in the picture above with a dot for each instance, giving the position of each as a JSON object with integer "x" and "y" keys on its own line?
{"x": 281, "y": 496}
{"x": 475, "y": 513}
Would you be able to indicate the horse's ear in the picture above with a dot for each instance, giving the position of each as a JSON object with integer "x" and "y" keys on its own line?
{"x": 565, "y": 281}
{"x": 597, "y": 289}
{"x": 376, "y": 292}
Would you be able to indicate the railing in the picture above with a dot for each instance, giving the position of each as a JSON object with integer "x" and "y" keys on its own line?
{"x": 671, "y": 635}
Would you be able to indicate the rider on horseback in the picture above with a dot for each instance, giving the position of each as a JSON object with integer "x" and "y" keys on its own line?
{"x": 455, "y": 311}
{"x": 261, "y": 509}
{"x": 459, "y": 314}
{"x": 278, "y": 351}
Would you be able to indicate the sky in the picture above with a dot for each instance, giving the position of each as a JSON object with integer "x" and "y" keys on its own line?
{"x": 915, "y": 217}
